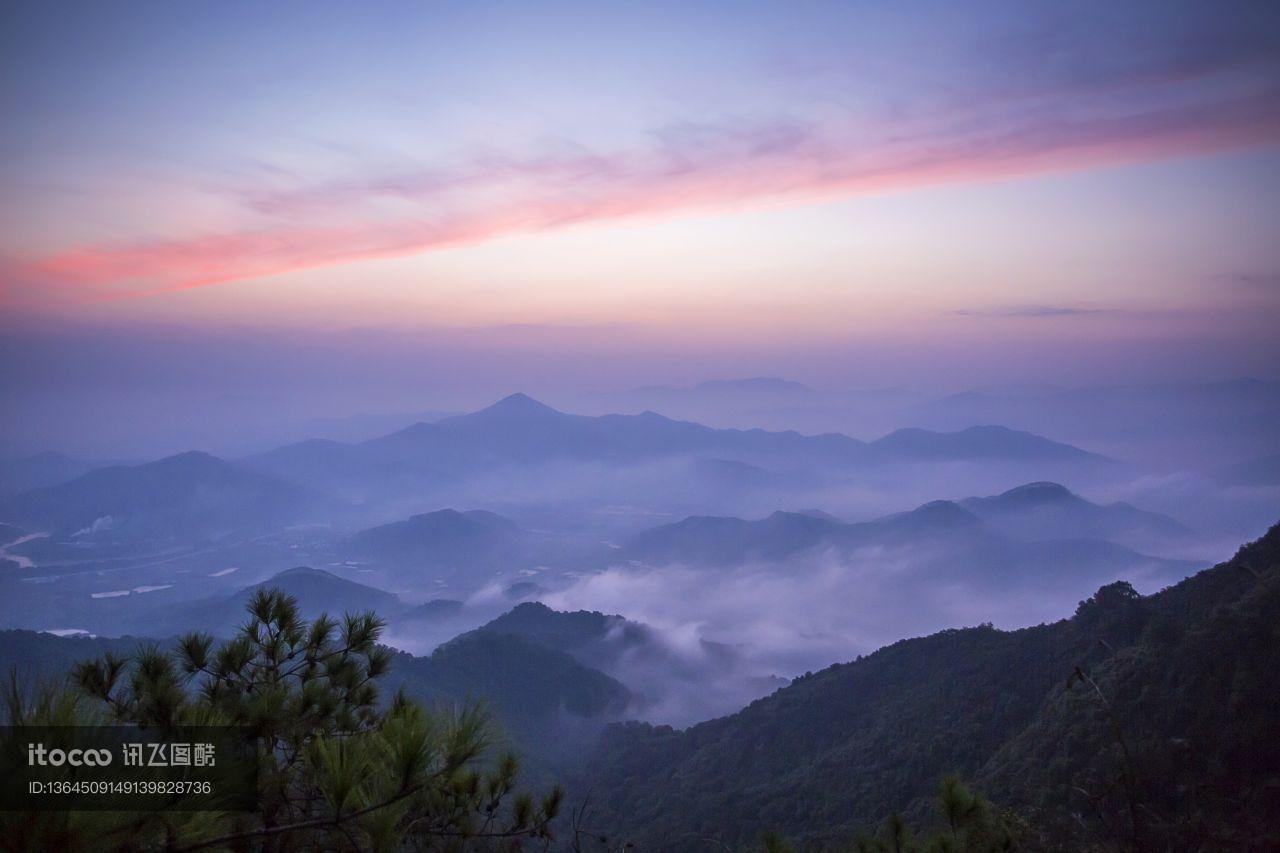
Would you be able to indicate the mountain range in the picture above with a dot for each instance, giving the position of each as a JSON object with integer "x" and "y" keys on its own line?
{"x": 520, "y": 431}
{"x": 1039, "y": 720}
{"x": 1036, "y": 535}
{"x": 515, "y": 447}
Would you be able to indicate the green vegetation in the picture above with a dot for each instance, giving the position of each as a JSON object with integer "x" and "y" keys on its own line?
{"x": 548, "y": 702}
{"x": 339, "y": 769}
{"x": 1138, "y": 724}
{"x": 971, "y": 825}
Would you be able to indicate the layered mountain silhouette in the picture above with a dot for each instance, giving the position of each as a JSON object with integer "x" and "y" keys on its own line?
{"x": 1170, "y": 424}
{"x": 520, "y": 431}
{"x": 940, "y": 540}
{"x": 195, "y": 495}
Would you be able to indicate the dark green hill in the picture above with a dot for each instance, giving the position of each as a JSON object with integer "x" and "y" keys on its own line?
{"x": 546, "y": 699}
{"x": 36, "y": 657}
{"x": 577, "y": 633}
{"x": 1188, "y": 674}
{"x": 609, "y": 643}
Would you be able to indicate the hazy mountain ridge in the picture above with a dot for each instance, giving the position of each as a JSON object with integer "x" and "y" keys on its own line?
{"x": 191, "y": 494}
{"x": 41, "y": 470}
{"x": 965, "y": 546}
{"x": 979, "y": 442}
{"x": 445, "y": 544}
{"x": 1048, "y": 510}
{"x": 479, "y": 457}
{"x": 520, "y": 431}
{"x": 1162, "y": 423}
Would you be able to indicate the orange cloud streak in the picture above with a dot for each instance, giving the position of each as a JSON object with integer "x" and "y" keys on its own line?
{"x": 718, "y": 171}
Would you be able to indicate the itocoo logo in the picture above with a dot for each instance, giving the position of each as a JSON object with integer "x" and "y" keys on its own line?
{"x": 38, "y": 755}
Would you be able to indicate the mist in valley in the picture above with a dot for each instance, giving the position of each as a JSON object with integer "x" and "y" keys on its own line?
{"x": 720, "y": 561}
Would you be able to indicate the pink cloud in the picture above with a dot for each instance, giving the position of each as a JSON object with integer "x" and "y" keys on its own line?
{"x": 687, "y": 168}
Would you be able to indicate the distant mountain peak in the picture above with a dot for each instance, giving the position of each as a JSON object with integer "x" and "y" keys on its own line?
{"x": 989, "y": 440}
{"x": 448, "y": 513}
{"x": 941, "y": 507}
{"x": 802, "y": 519}
{"x": 519, "y": 404}
{"x": 190, "y": 458}
{"x": 936, "y": 514}
{"x": 530, "y": 608}
{"x": 457, "y": 518}
{"x": 819, "y": 514}
{"x": 991, "y": 429}
{"x": 1042, "y": 490}
{"x": 1045, "y": 510}
{"x": 302, "y": 572}
{"x": 304, "y": 579}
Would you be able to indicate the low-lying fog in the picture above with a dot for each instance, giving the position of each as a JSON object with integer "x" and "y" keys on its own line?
{"x": 739, "y": 558}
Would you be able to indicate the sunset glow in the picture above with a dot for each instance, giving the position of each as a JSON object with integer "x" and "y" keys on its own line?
{"x": 228, "y": 190}
{"x": 648, "y": 191}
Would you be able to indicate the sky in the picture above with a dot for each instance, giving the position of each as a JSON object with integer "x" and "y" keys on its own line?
{"x": 398, "y": 205}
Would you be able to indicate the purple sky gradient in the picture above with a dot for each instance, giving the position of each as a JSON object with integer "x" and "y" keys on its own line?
{"x": 401, "y": 206}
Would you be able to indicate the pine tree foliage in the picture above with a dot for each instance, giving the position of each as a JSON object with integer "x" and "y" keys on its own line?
{"x": 972, "y": 825}
{"x": 969, "y": 825}
{"x": 340, "y": 768}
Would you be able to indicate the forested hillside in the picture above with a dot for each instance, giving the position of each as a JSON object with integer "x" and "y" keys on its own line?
{"x": 1142, "y": 722}
{"x": 543, "y": 702}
